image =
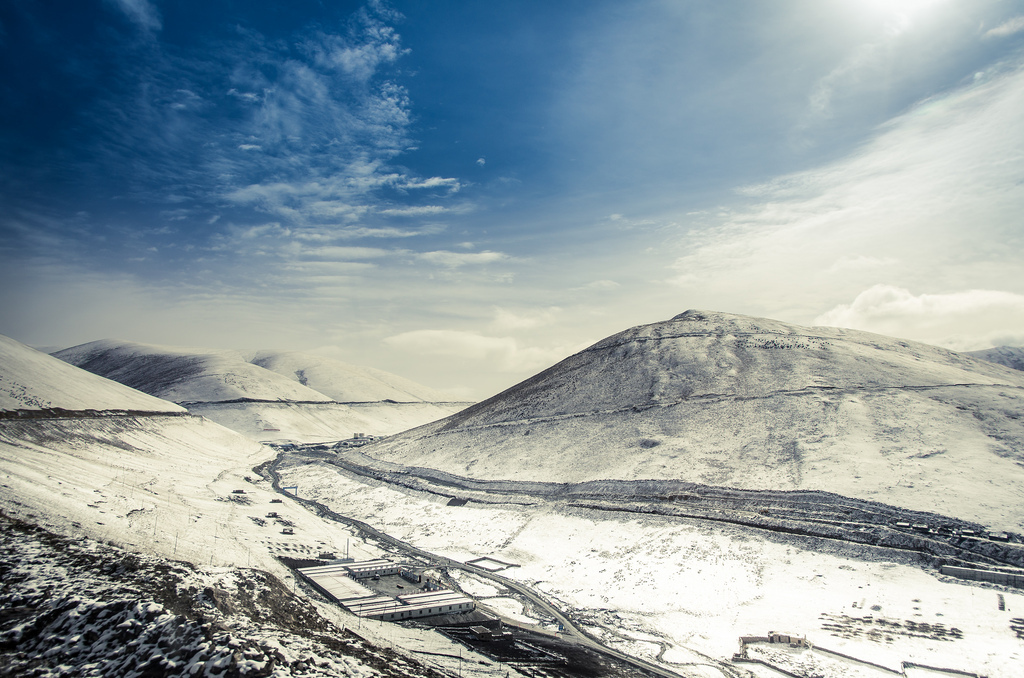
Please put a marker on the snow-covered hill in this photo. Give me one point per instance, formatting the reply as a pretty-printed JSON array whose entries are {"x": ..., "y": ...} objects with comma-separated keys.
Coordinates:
[
  {"x": 269, "y": 395},
  {"x": 185, "y": 375},
  {"x": 30, "y": 380},
  {"x": 345, "y": 383},
  {"x": 1010, "y": 356},
  {"x": 744, "y": 402}
]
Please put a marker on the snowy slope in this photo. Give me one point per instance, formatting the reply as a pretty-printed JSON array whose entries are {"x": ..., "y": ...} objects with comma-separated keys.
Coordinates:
[
  {"x": 1009, "y": 356},
  {"x": 743, "y": 402},
  {"x": 175, "y": 487},
  {"x": 342, "y": 382},
  {"x": 318, "y": 422},
  {"x": 73, "y": 606},
  {"x": 287, "y": 396},
  {"x": 30, "y": 380},
  {"x": 185, "y": 375}
]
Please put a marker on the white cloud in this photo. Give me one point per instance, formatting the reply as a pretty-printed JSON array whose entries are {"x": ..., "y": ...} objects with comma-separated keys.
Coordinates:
[
  {"x": 509, "y": 321},
  {"x": 600, "y": 286},
  {"x": 250, "y": 97},
  {"x": 413, "y": 211},
  {"x": 934, "y": 200},
  {"x": 503, "y": 353},
  {"x": 1009, "y": 27},
  {"x": 361, "y": 55},
  {"x": 332, "y": 233},
  {"x": 262, "y": 231},
  {"x": 452, "y": 185},
  {"x": 845, "y": 74},
  {"x": 481, "y": 161},
  {"x": 965, "y": 320},
  {"x": 861, "y": 262},
  {"x": 338, "y": 253},
  {"x": 457, "y": 259},
  {"x": 141, "y": 12}
]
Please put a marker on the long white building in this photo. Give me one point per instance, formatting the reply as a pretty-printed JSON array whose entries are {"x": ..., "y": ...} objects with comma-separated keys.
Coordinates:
[{"x": 338, "y": 582}]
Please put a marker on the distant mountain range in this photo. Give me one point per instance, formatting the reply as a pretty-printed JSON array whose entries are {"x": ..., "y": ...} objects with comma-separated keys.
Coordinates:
[
  {"x": 205, "y": 375},
  {"x": 1010, "y": 356},
  {"x": 751, "y": 403},
  {"x": 269, "y": 395}
]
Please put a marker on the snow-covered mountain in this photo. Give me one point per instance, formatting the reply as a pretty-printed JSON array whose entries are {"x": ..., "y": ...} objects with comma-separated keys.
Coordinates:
[
  {"x": 30, "y": 380},
  {"x": 1010, "y": 356},
  {"x": 743, "y": 402},
  {"x": 342, "y": 382},
  {"x": 185, "y": 375},
  {"x": 269, "y": 395}
]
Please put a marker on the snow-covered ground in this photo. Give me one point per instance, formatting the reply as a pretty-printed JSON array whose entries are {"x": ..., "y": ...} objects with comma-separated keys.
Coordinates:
[
  {"x": 318, "y": 422},
  {"x": 33, "y": 380},
  {"x": 73, "y": 606},
  {"x": 165, "y": 487},
  {"x": 687, "y": 590}
]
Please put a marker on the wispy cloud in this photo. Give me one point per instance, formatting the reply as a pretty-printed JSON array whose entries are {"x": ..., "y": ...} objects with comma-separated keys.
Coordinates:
[
  {"x": 339, "y": 253},
  {"x": 370, "y": 44},
  {"x": 141, "y": 12},
  {"x": 1009, "y": 27},
  {"x": 599, "y": 286},
  {"x": 332, "y": 233},
  {"x": 448, "y": 183},
  {"x": 504, "y": 353},
  {"x": 303, "y": 130},
  {"x": 415, "y": 211},
  {"x": 506, "y": 320},
  {"x": 936, "y": 190},
  {"x": 458, "y": 259}
]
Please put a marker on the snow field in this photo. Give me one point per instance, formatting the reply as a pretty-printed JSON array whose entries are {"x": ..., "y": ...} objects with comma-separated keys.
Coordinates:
[
  {"x": 164, "y": 487},
  {"x": 698, "y": 587},
  {"x": 320, "y": 422}
]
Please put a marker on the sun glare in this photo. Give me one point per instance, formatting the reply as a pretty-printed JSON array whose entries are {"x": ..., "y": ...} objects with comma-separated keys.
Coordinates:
[{"x": 904, "y": 7}]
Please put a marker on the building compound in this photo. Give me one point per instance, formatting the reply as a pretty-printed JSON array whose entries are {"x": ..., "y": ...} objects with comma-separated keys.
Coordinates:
[{"x": 340, "y": 583}]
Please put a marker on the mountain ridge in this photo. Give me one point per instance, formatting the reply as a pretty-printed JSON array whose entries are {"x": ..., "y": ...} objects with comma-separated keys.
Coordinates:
[
  {"x": 224, "y": 375},
  {"x": 269, "y": 395}
]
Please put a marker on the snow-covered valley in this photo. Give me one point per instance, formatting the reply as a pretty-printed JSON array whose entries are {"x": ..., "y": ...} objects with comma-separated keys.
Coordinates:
[
  {"x": 685, "y": 590},
  {"x": 655, "y": 561}
]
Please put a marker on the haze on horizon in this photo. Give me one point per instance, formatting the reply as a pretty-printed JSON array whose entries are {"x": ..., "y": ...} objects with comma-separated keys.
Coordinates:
[{"x": 464, "y": 193}]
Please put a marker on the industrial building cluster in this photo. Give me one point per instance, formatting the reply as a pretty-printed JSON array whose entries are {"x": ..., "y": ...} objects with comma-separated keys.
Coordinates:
[{"x": 340, "y": 582}]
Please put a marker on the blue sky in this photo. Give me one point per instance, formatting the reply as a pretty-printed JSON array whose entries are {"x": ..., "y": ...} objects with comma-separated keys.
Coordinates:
[{"x": 464, "y": 193}]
